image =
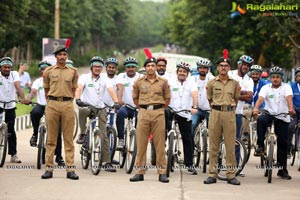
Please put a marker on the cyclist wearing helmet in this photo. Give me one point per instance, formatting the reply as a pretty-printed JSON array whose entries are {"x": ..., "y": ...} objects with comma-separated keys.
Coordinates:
[
  {"x": 111, "y": 66},
  {"x": 203, "y": 105},
  {"x": 69, "y": 63},
  {"x": 184, "y": 95},
  {"x": 38, "y": 111},
  {"x": 90, "y": 91},
  {"x": 125, "y": 82},
  {"x": 296, "y": 102},
  {"x": 9, "y": 85},
  {"x": 278, "y": 98},
  {"x": 162, "y": 67},
  {"x": 222, "y": 119}
]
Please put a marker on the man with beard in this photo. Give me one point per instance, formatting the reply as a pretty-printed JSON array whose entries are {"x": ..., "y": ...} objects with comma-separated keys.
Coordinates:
[
  {"x": 222, "y": 93},
  {"x": 162, "y": 67},
  {"x": 184, "y": 96},
  {"x": 278, "y": 98},
  {"x": 124, "y": 92},
  {"x": 203, "y": 105},
  {"x": 9, "y": 84},
  {"x": 60, "y": 82}
]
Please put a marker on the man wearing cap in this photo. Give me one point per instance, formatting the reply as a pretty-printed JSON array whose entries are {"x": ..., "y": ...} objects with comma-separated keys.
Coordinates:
[
  {"x": 223, "y": 93},
  {"x": 90, "y": 91},
  {"x": 60, "y": 82},
  {"x": 9, "y": 85},
  {"x": 151, "y": 94},
  {"x": 124, "y": 91}
]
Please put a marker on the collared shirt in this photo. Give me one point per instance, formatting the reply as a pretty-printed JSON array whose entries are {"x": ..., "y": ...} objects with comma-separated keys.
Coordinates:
[
  {"x": 181, "y": 96},
  {"x": 8, "y": 89},
  {"x": 151, "y": 92},
  {"x": 223, "y": 94},
  {"x": 246, "y": 84},
  {"x": 93, "y": 89},
  {"x": 275, "y": 99},
  {"x": 60, "y": 81},
  {"x": 127, "y": 82},
  {"x": 38, "y": 85}
]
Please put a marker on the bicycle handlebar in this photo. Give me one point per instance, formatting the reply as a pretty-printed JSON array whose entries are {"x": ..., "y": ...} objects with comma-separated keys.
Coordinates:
[{"x": 179, "y": 111}]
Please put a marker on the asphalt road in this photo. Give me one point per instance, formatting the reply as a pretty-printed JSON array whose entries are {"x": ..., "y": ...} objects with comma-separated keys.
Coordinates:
[{"x": 23, "y": 181}]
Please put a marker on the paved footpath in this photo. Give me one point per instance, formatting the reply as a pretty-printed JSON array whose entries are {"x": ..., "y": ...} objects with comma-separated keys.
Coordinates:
[{"x": 23, "y": 181}]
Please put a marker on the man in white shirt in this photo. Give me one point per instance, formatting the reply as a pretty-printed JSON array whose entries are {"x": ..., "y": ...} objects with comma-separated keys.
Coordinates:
[
  {"x": 38, "y": 111},
  {"x": 278, "y": 98},
  {"x": 90, "y": 91},
  {"x": 162, "y": 67},
  {"x": 201, "y": 81},
  {"x": 9, "y": 85},
  {"x": 125, "y": 83},
  {"x": 184, "y": 96}
]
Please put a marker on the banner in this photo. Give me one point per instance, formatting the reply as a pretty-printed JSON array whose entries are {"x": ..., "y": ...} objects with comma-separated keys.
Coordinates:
[{"x": 49, "y": 44}]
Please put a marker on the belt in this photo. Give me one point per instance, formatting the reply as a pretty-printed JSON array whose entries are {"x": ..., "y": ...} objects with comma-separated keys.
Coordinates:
[
  {"x": 223, "y": 108},
  {"x": 151, "y": 107},
  {"x": 60, "y": 98}
]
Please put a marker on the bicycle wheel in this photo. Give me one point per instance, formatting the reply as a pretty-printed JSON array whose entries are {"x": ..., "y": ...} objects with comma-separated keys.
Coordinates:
[
  {"x": 293, "y": 150},
  {"x": 298, "y": 152},
  {"x": 222, "y": 168},
  {"x": 123, "y": 152},
  {"x": 112, "y": 138},
  {"x": 85, "y": 155},
  {"x": 41, "y": 146},
  {"x": 3, "y": 143},
  {"x": 131, "y": 151},
  {"x": 75, "y": 126},
  {"x": 197, "y": 148},
  {"x": 170, "y": 152},
  {"x": 270, "y": 159},
  {"x": 247, "y": 142},
  {"x": 205, "y": 149},
  {"x": 153, "y": 154},
  {"x": 96, "y": 154}
]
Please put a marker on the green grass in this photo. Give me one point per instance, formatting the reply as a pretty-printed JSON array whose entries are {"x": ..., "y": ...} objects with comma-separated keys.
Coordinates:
[{"x": 24, "y": 109}]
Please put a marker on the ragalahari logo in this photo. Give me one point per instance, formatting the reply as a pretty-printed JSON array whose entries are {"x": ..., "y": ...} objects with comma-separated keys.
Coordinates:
[{"x": 236, "y": 10}]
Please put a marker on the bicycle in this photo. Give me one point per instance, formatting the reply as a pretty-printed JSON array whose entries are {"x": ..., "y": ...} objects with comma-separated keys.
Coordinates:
[
  {"x": 201, "y": 143},
  {"x": 111, "y": 133},
  {"x": 91, "y": 149},
  {"x": 76, "y": 125},
  {"x": 42, "y": 141},
  {"x": 268, "y": 157},
  {"x": 127, "y": 154},
  {"x": 295, "y": 148},
  {"x": 222, "y": 168},
  {"x": 3, "y": 133},
  {"x": 173, "y": 144}
]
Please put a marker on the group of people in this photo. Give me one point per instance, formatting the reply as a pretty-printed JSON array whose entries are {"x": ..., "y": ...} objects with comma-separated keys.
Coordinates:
[{"x": 153, "y": 96}]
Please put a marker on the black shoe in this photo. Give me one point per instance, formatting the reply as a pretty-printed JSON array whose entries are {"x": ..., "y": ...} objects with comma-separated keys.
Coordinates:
[
  {"x": 60, "y": 161},
  {"x": 233, "y": 181},
  {"x": 192, "y": 170},
  {"x": 163, "y": 178},
  {"x": 284, "y": 174},
  {"x": 33, "y": 141},
  {"x": 109, "y": 167},
  {"x": 258, "y": 151},
  {"x": 137, "y": 177},
  {"x": 72, "y": 175},
  {"x": 210, "y": 180},
  {"x": 47, "y": 175},
  {"x": 81, "y": 138}
]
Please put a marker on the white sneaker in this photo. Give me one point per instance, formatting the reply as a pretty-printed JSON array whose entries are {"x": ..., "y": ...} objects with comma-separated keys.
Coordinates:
[
  {"x": 15, "y": 159},
  {"x": 242, "y": 173}
]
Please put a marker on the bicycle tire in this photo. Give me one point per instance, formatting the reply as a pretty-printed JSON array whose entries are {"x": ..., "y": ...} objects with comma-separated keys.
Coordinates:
[
  {"x": 222, "y": 159},
  {"x": 96, "y": 154},
  {"x": 205, "y": 149},
  {"x": 293, "y": 150},
  {"x": 85, "y": 155},
  {"x": 197, "y": 148},
  {"x": 112, "y": 138},
  {"x": 270, "y": 159},
  {"x": 75, "y": 125},
  {"x": 248, "y": 145},
  {"x": 41, "y": 147},
  {"x": 153, "y": 154},
  {"x": 123, "y": 151},
  {"x": 170, "y": 152},
  {"x": 131, "y": 152},
  {"x": 3, "y": 144},
  {"x": 298, "y": 153}
]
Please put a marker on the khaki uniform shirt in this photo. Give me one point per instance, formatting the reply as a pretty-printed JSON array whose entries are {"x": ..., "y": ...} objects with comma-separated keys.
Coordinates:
[
  {"x": 223, "y": 94},
  {"x": 60, "y": 81},
  {"x": 151, "y": 93}
]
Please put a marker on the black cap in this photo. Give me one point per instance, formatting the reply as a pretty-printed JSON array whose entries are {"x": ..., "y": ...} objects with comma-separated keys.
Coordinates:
[
  {"x": 222, "y": 59},
  {"x": 149, "y": 60},
  {"x": 60, "y": 48}
]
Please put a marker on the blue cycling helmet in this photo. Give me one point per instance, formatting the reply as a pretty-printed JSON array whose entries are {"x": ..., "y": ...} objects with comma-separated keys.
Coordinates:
[
  {"x": 111, "y": 61},
  {"x": 246, "y": 59}
]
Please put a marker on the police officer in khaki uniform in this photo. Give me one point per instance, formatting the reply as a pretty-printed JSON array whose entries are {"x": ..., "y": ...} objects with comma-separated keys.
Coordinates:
[
  {"x": 151, "y": 94},
  {"x": 222, "y": 93},
  {"x": 60, "y": 82}
]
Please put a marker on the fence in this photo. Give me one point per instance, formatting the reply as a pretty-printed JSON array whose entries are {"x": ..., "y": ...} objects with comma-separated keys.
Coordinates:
[{"x": 22, "y": 122}]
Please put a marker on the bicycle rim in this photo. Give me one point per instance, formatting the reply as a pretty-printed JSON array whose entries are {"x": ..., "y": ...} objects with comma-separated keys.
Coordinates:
[
  {"x": 170, "y": 153},
  {"x": 96, "y": 157},
  {"x": 131, "y": 152},
  {"x": 75, "y": 125},
  {"x": 205, "y": 150},
  {"x": 3, "y": 144},
  {"x": 40, "y": 149},
  {"x": 270, "y": 159},
  {"x": 112, "y": 138},
  {"x": 197, "y": 148},
  {"x": 293, "y": 150}
]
